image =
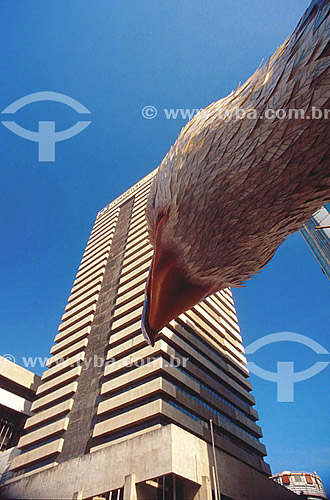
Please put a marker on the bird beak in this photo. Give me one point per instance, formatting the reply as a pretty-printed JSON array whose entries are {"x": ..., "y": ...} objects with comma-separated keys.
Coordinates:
[{"x": 168, "y": 292}]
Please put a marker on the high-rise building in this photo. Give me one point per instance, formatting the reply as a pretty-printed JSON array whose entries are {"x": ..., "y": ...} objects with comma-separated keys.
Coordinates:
[
  {"x": 17, "y": 392},
  {"x": 115, "y": 418},
  {"x": 319, "y": 239}
]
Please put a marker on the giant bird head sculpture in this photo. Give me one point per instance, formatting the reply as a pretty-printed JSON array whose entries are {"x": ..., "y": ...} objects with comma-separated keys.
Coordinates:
[{"x": 240, "y": 179}]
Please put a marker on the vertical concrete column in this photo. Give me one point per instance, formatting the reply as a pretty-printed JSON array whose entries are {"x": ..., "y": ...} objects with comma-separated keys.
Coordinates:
[
  {"x": 83, "y": 415},
  {"x": 130, "y": 488},
  {"x": 205, "y": 491}
]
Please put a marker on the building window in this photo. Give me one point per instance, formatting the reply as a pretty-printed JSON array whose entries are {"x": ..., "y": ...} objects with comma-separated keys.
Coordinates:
[
  {"x": 286, "y": 479},
  {"x": 309, "y": 479}
]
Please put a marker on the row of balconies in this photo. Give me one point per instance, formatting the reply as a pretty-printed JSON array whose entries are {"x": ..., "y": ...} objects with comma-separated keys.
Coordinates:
[
  {"x": 59, "y": 383},
  {"x": 246, "y": 433},
  {"x": 238, "y": 394}
]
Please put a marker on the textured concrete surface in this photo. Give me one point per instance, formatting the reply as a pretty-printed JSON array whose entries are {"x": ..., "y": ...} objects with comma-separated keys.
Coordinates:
[{"x": 169, "y": 449}]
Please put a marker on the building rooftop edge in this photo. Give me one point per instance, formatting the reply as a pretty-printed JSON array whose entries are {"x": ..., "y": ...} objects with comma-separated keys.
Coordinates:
[
  {"x": 292, "y": 473},
  {"x": 126, "y": 193}
]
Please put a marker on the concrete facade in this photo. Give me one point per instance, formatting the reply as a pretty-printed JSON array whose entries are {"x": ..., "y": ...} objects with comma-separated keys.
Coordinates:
[
  {"x": 115, "y": 418},
  {"x": 131, "y": 463}
]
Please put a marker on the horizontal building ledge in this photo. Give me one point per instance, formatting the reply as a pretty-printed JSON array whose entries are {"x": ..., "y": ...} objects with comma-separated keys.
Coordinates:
[
  {"x": 46, "y": 415},
  {"x": 51, "y": 398},
  {"x": 75, "y": 327},
  {"x": 105, "y": 221},
  {"x": 19, "y": 375},
  {"x": 130, "y": 295},
  {"x": 210, "y": 336},
  {"x": 44, "y": 433},
  {"x": 79, "y": 290},
  {"x": 37, "y": 455},
  {"x": 91, "y": 300},
  {"x": 213, "y": 322},
  {"x": 140, "y": 392},
  {"x": 228, "y": 314},
  {"x": 127, "y": 308},
  {"x": 137, "y": 272},
  {"x": 143, "y": 243},
  {"x": 140, "y": 201},
  {"x": 62, "y": 365},
  {"x": 144, "y": 251},
  {"x": 137, "y": 222},
  {"x": 136, "y": 234},
  {"x": 95, "y": 263},
  {"x": 61, "y": 379},
  {"x": 127, "y": 332},
  {"x": 125, "y": 346},
  {"x": 220, "y": 314},
  {"x": 66, "y": 353},
  {"x": 101, "y": 233},
  {"x": 77, "y": 317},
  {"x": 128, "y": 319},
  {"x": 105, "y": 216},
  {"x": 207, "y": 358},
  {"x": 135, "y": 242},
  {"x": 134, "y": 416},
  {"x": 138, "y": 214},
  {"x": 141, "y": 279},
  {"x": 127, "y": 378},
  {"x": 94, "y": 253},
  {"x": 138, "y": 356},
  {"x": 104, "y": 236},
  {"x": 72, "y": 303},
  {"x": 124, "y": 438},
  {"x": 139, "y": 259},
  {"x": 91, "y": 274},
  {"x": 72, "y": 339},
  {"x": 100, "y": 230}
]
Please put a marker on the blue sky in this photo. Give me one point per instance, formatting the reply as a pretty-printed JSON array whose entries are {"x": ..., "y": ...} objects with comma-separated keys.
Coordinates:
[{"x": 115, "y": 57}]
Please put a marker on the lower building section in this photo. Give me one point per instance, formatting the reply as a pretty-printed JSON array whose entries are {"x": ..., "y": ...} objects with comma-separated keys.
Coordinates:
[
  {"x": 17, "y": 393},
  {"x": 163, "y": 462}
]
